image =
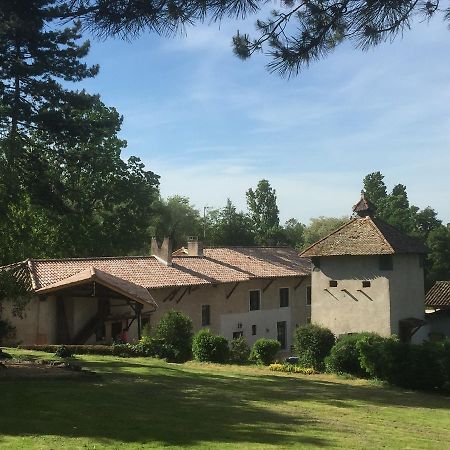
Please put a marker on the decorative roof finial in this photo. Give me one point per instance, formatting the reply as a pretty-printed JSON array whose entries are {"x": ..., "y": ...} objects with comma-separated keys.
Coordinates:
[{"x": 364, "y": 207}]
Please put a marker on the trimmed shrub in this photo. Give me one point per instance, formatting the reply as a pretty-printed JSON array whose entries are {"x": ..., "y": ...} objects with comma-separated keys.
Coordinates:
[
  {"x": 344, "y": 357},
  {"x": 264, "y": 351},
  {"x": 312, "y": 344},
  {"x": 175, "y": 330},
  {"x": 64, "y": 352},
  {"x": 207, "y": 346},
  {"x": 239, "y": 350}
]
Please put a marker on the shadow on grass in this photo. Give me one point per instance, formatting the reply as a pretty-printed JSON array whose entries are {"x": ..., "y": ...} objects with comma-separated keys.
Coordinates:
[{"x": 174, "y": 405}]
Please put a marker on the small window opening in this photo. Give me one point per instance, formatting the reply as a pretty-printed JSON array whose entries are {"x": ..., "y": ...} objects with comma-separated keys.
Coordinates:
[
  {"x": 366, "y": 283},
  {"x": 333, "y": 283},
  {"x": 253, "y": 330}
]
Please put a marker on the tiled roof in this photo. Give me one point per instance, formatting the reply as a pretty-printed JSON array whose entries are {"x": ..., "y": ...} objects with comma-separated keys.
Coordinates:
[
  {"x": 439, "y": 295},
  {"x": 219, "y": 265},
  {"x": 124, "y": 287},
  {"x": 365, "y": 236}
]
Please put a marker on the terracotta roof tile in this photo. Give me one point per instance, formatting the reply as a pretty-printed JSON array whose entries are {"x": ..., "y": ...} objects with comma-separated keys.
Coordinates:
[
  {"x": 365, "y": 236},
  {"x": 219, "y": 265},
  {"x": 124, "y": 287},
  {"x": 439, "y": 295}
]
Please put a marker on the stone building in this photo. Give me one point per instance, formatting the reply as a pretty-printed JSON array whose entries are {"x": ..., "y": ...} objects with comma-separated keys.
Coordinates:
[
  {"x": 235, "y": 291},
  {"x": 368, "y": 276}
]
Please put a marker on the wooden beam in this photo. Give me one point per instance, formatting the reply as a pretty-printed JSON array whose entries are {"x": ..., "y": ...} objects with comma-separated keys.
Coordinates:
[
  {"x": 349, "y": 294},
  {"x": 366, "y": 295},
  {"x": 298, "y": 284},
  {"x": 232, "y": 290},
  {"x": 171, "y": 295},
  {"x": 326, "y": 290},
  {"x": 268, "y": 284},
  {"x": 182, "y": 295}
]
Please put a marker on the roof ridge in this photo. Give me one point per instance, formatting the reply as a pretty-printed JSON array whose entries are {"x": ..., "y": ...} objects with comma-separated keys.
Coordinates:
[
  {"x": 374, "y": 225},
  {"x": 89, "y": 258},
  {"x": 328, "y": 235}
]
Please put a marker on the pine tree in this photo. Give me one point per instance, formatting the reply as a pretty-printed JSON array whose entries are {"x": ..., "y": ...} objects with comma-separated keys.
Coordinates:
[{"x": 35, "y": 56}]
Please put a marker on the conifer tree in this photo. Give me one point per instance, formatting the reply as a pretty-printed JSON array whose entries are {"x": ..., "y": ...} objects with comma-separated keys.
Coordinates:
[{"x": 36, "y": 55}]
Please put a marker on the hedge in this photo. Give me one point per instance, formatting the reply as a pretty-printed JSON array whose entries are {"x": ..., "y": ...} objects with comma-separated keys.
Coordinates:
[
  {"x": 312, "y": 344},
  {"x": 344, "y": 357}
]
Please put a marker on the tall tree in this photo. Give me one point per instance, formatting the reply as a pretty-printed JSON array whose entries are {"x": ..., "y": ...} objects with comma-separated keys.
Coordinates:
[
  {"x": 231, "y": 227},
  {"x": 424, "y": 224},
  {"x": 86, "y": 201},
  {"x": 177, "y": 219},
  {"x": 296, "y": 34},
  {"x": 374, "y": 188},
  {"x": 294, "y": 233},
  {"x": 263, "y": 209},
  {"x": 396, "y": 210},
  {"x": 64, "y": 189},
  {"x": 35, "y": 56}
]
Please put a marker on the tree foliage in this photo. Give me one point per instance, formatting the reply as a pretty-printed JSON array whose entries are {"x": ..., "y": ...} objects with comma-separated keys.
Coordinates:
[
  {"x": 321, "y": 226},
  {"x": 295, "y": 34},
  {"x": 264, "y": 213},
  {"x": 64, "y": 189},
  {"x": 176, "y": 218},
  {"x": 395, "y": 208},
  {"x": 228, "y": 227},
  {"x": 35, "y": 56}
]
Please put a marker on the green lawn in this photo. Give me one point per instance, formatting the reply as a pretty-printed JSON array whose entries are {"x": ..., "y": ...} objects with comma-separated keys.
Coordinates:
[{"x": 143, "y": 403}]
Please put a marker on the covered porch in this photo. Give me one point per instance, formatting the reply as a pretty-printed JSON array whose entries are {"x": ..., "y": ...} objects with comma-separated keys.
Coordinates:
[{"x": 95, "y": 307}]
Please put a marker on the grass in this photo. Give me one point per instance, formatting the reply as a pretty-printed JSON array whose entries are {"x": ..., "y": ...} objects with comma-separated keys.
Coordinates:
[{"x": 147, "y": 403}]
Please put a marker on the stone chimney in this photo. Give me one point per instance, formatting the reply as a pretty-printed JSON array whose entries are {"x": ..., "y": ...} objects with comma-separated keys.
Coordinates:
[
  {"x": 195, "y": 247},
  {"x": 162, "y": 252}
]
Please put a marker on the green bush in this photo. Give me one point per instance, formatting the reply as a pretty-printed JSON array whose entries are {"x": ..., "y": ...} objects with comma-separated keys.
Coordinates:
[
  {"x": 64, "y": 352},
  {"x": 239, "y": 350},
  {"x": 405, "y": 365},
  {"x": 312, "y": 344},
  {"x": 207, "y": 346},
  {"x": 264, "y": 351},
  {"x": 344, "y": 357},
  {"x": 175, "y": 330}
]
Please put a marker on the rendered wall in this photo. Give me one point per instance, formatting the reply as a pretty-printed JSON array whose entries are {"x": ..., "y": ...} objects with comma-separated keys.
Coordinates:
[
  {"x": 407, "y": 291},
  {"x": 38, "y": 325},
  {"x": 349, "y": 308},
  {"x": 232, "y": 314}
]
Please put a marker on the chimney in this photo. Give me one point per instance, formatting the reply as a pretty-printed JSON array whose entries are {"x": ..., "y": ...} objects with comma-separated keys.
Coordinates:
[
  {"x": 195, "y": 247},
  {"x": 162, "y": 252}
]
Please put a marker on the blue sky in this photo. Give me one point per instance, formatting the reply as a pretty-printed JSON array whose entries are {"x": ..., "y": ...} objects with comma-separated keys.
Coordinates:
[{"x": 212, "y": 125}]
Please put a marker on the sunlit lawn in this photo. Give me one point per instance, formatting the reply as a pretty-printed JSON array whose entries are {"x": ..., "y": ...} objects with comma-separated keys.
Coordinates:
[{"x": 143, "y": 403}]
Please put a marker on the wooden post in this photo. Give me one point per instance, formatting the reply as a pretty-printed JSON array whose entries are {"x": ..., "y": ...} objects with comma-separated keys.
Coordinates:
[{"x": 139, "y": 319}]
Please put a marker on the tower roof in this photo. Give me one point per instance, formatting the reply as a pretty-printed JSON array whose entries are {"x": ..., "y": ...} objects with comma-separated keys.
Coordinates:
[
  {"x": 365, "y": 236},
  {"x": 364, "y": 207}
]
